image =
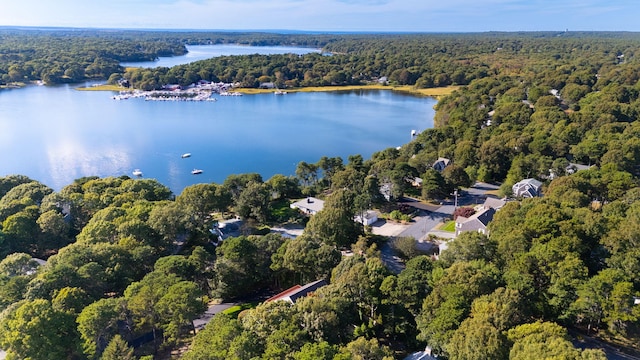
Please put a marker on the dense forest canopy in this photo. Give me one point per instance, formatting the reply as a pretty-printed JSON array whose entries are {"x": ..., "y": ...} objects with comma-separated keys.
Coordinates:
[
  {"x": 424, "y": 60},
  {"x": 74, "y": 55},
  {"x": 127, "y": 258}
]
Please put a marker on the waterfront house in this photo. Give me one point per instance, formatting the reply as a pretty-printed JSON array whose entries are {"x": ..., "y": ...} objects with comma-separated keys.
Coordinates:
[
  {"x": 172, "y": 87},
  {"x": 309, "y": 206}
]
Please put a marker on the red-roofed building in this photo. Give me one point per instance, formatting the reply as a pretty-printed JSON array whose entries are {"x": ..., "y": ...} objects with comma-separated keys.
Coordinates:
[{"x": 296, "y": 292}]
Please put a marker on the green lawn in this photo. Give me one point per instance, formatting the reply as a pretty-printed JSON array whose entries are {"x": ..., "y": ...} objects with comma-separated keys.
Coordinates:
[
  {"x": 282, "y": 212},
  {"x": 235, "y": 310},
  {"x": 449, "y": 226}
]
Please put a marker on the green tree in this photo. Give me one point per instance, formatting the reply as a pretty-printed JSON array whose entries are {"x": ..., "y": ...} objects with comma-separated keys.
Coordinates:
[
  {"x": 406, "y": 247},
  {"x": 307, "y": 173},
  {"x": 547, "y": 340},
  {"x": 449, "y": 303},
  {"x": 142, "y": 298},
  {"x": 330, "y": 166},
  {"x": 335, "y": 224},
  {"x": 472, "y": 332},
  {"x": 361, "y": 349},
  {"x": 471, "y": 245},
  {"x": 434, "y": 185},
  {"x": 455, "y": 177},
  {"x": 35, "y": 328},
  {"x": 199, "y": 201},
  {"x": 283, "y": 187},
  {"x": 413, "y": 284},
  {"x": 307, "y": 258},
  {"x": 181, "y": 304},
  {"x": 71, "y": 300},
  {"x": 118, "y": 349},
  {"x": 236, "y": 268},
  {"x": 316, "y": 351},
  {"x": 18, "y": 264},
  {"x": 360, "y": 280},
  {"x": 253, "y": 202},
  {"x": 216, "y": 340},
  {"x": 235, "y": 183},
  {"x": 98, "y": 323}
]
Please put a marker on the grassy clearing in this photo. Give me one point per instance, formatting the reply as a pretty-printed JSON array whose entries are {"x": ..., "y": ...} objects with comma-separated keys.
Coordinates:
[
  {"x": 449, "y": 226},
  {"x": 495, "y": 193},
  {"x": 104, "y": 87},
  {"x": 435, "y": 92},
  {"x": 282, "y": 212},
  {"x": 237, "y": 309}
]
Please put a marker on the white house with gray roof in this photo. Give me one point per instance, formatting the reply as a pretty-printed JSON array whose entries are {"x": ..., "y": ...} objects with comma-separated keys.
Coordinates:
[
  {"x": 527, "y": 188},
  {"x": 476, "y": 222},
  {"x": 309, "y": 206}
]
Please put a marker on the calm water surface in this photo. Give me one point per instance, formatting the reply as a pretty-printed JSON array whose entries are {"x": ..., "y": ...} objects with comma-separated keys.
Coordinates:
[
  {"x": 58, "y": 134},
  {"x": 202, "y": 52}
]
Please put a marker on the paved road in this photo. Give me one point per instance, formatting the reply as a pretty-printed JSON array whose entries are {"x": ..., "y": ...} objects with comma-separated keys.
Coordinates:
[
  {"x": 612, "y": 352},
  {"x": 425, "y": 221},
  {"x": 476, "y": 194},
  {"x": 391, "y": 261},
  {"x": 429, "y": 216},
  {"x": 203, "y": 320}
]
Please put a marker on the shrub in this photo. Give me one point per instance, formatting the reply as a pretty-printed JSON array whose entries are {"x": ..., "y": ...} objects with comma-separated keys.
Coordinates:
[{"x": 464, "y": 211}]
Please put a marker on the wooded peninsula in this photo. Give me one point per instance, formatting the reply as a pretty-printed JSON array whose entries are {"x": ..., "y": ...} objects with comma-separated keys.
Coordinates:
[{"x": 119, "y": 268}]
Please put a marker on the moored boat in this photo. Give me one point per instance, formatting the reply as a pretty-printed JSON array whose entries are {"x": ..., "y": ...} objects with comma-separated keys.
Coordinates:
[{"x": 137, "y": 172}]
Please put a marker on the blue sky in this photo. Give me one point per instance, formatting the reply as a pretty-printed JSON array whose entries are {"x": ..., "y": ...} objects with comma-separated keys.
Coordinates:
[{"x": 329, "y": 15}]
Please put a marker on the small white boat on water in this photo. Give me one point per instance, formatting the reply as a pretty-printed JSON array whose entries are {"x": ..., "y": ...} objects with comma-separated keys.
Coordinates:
[
  {"x": 196, "y": 171},
  {"x": 186, "y": 155},
  {"x": 280, "y": 92},
  {"x": 137, "y": 172}
]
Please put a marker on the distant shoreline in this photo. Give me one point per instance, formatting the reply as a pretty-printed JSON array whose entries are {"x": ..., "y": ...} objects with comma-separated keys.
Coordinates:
[{"x": 432, "y": 92}]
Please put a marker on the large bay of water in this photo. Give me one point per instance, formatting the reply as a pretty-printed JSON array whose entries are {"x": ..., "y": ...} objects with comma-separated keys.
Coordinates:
[
  {"x": 58, "y": 134},
  {"x": 202, "y": 52}
]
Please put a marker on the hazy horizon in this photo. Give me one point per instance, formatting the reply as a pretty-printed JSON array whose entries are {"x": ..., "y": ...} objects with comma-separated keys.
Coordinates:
[{"x": 327, "y": 15}]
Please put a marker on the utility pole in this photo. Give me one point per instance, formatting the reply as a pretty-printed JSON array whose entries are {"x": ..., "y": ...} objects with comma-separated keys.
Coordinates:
[{"x": 455, "y": 202}]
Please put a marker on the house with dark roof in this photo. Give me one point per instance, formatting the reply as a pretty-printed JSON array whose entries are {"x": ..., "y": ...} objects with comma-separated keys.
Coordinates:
[
  {"x": 441, "y": 164},
  {"x": 527, "y": 188},
  {"x": 296, "y": 292},
  {"x": 477, "y": 222}
]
